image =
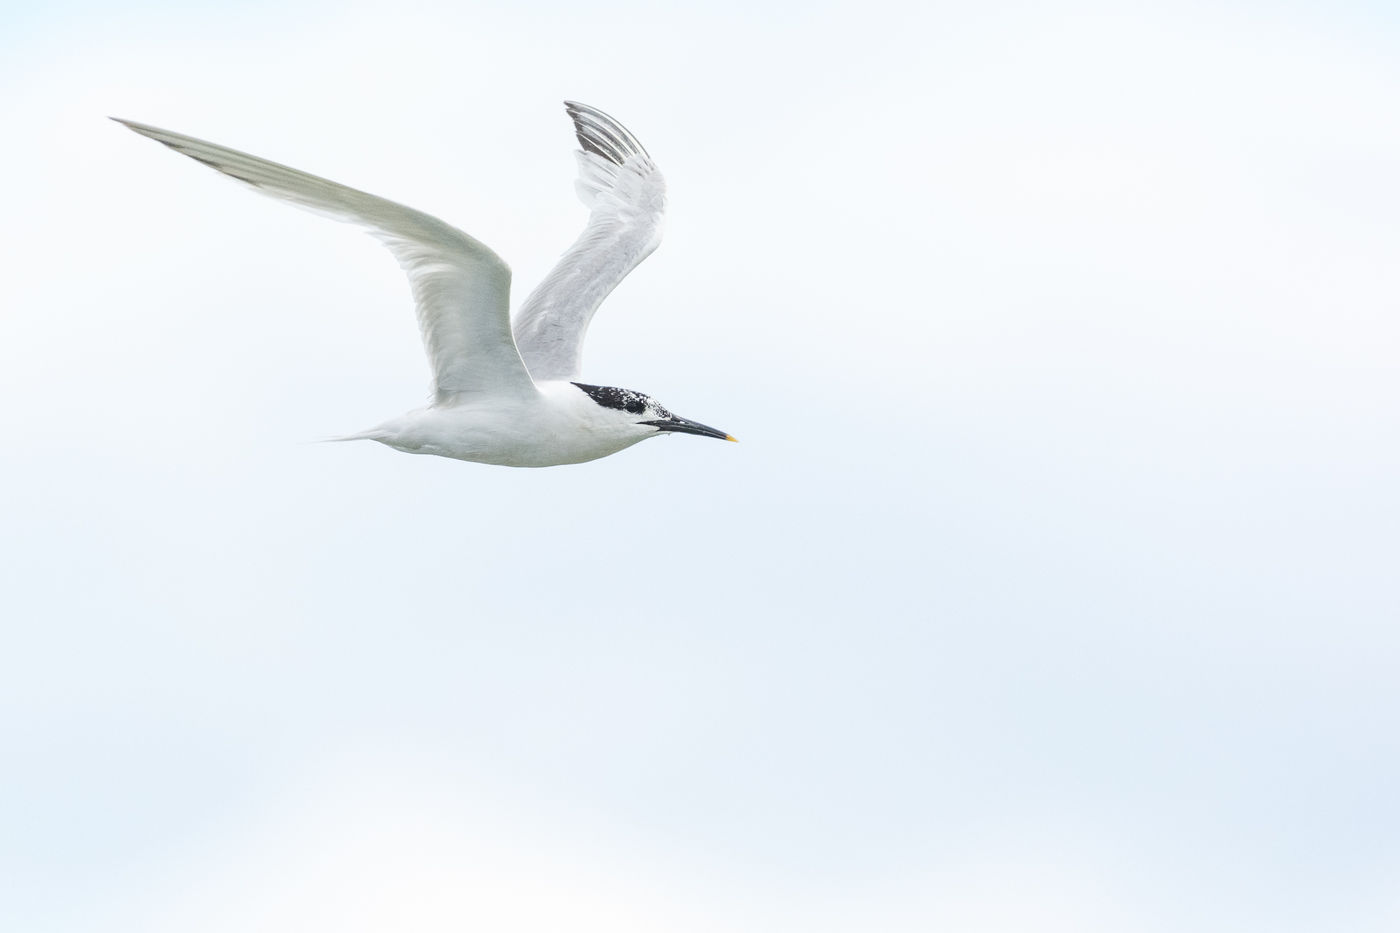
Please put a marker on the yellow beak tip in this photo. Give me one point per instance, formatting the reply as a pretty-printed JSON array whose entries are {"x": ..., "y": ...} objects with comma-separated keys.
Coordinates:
[{"x": 730, "y": 437}]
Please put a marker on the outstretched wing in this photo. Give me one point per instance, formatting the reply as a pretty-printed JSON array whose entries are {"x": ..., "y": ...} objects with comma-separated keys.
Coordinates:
[
  {"x": 462, "y": 288},
  {"x": 626, "y": 198}
]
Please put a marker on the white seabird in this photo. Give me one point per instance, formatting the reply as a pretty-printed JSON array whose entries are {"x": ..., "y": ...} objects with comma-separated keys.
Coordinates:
[{"x": 498, "y": 398}]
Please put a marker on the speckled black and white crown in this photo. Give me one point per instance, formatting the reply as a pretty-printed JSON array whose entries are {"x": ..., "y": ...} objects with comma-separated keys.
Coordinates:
[{"x": 634, "y": 403}]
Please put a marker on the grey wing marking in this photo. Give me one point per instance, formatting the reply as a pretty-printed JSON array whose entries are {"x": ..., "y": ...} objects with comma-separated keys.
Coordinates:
[
  {"x": 626, "y": 198},
  {"x": 461, "y": 288}
]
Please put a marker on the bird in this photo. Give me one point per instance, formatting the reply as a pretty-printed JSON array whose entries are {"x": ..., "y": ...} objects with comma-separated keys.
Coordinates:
[{"x": 501, "y": 394}]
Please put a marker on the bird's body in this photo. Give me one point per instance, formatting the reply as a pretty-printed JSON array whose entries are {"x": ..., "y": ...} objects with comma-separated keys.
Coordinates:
[
  {"x": 502, "y": 397},
  {"x": 558, "y": 424}
]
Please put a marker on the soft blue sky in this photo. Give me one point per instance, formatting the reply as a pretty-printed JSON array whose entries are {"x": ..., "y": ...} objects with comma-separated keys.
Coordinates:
[{"x": 1052, "y": 587}]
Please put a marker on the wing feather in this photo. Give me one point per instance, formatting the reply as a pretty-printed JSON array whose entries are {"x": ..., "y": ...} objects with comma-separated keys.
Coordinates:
[
  {"x": 461, "y": 288},
  {"x": 626, "y": 198}
]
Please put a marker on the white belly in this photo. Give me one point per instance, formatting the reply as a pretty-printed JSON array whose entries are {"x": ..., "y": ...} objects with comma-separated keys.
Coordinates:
[{"x": 556, "y": 427}]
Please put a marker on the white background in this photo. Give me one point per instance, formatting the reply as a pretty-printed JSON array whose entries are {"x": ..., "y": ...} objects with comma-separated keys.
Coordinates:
[{"x": 1052, "y": 585}]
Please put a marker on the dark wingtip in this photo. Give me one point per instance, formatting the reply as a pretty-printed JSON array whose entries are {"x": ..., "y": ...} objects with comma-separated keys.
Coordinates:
[
  {"x": 602, "y": 134},
  {"x": 141, "y": 128}
]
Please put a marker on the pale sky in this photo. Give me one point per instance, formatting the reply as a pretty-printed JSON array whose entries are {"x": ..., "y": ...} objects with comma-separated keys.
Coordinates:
[{"x": 1052, "y": 585}]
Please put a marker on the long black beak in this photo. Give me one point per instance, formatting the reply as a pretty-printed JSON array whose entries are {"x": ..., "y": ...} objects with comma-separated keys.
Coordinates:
[{"x": 681, "y": 426}]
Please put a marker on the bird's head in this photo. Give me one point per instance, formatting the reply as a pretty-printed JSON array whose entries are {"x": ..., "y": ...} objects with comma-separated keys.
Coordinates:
[{"x": 641, "y": 414}]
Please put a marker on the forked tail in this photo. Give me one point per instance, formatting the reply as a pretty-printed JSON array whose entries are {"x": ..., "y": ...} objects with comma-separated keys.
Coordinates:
[{"x": 370, "y": 435}]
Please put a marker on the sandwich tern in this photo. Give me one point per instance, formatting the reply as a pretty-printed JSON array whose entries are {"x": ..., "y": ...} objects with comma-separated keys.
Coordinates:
[{"x": 502, "y": 398}]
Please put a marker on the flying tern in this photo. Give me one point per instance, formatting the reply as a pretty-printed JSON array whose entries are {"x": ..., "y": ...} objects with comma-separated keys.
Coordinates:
[{"x": 499, "y": 397}]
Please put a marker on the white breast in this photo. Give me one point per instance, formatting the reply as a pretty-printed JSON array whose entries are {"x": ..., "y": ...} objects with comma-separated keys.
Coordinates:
[{"x": 558, "y": 425}]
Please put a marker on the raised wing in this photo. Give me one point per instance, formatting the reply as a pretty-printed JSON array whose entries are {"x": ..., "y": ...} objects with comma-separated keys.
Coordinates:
[
  {"x": 462, "y": 288},
  {"x": 626, "y": 198}
]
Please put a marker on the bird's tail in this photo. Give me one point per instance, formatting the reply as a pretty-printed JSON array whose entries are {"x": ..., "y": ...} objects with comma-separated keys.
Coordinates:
[{"x": 372, "y": 434}]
